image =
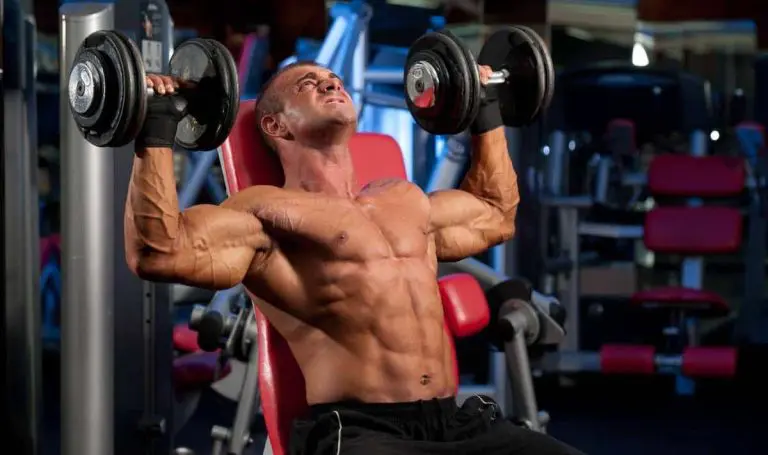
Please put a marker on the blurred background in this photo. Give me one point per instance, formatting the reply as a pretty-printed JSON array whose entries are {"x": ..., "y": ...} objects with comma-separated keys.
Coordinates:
[{"x": 643, "y": 214}]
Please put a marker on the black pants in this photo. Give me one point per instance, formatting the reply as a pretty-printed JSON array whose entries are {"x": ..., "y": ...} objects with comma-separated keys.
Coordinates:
[{"x": 422, "y": 427}]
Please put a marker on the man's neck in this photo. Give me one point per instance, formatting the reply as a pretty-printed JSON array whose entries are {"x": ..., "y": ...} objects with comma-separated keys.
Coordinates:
[{"x": 328, "y": 170}]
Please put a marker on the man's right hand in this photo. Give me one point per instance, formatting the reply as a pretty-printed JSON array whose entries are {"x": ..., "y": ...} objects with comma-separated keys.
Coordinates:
[
  {"x": 207, "y": 246},
  {"x": 163, "y": 114}
]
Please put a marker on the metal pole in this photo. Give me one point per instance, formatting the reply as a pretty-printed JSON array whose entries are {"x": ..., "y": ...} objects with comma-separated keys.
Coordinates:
[
  {"x": 87, "y": 261},
  {"x": 198, "y": 176},
  {"x": 21, "y": 307},
  {"x": 359, "y": 62}
]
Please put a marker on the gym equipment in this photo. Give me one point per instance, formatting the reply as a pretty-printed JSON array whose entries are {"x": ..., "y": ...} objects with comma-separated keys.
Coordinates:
[
  {"x": 228, "y": 325},
  {"x": 442, "y": 83},
  {"x": 107, "y": 91},
  {"x": 657, "y": 101},
  {"x": 654, "y": 101},
  {"x": 516, "y": 325},
  {"x": 690, "y": 231},
  {"x": 693, "y": 362},
  {"x": 88, "y": 241}
]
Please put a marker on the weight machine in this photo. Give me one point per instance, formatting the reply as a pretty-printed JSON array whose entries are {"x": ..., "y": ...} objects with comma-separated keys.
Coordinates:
[{"x": 688, "y": 101}]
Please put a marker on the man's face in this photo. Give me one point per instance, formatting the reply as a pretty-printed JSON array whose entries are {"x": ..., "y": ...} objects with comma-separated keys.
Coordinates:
[{"x": 314, "y": 102}]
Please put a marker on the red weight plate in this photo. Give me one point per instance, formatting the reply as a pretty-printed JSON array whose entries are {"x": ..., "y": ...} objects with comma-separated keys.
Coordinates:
[
  {"x": 628, "y": 359},
  {"x": 712, "y": 362}
]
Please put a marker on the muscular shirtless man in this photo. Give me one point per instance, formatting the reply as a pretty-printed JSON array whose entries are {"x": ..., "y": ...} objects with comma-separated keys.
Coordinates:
[{"x": 347, "y": 274}]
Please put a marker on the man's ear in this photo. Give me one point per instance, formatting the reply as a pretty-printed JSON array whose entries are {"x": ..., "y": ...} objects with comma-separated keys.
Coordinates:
[{"x": 273, "y": 127}]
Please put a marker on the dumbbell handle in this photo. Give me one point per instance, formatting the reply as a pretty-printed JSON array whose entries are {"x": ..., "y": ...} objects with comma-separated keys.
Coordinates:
[{"x": 498, "y": 77}]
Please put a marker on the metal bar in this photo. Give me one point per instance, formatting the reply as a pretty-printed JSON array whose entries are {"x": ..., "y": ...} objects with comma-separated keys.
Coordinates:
[
  {"x": 182, "y": 294},
  {"x": 247, "y": 403},
  {"x": 450, "y": 163},
  {"x": 610, "y": 231},
  {"x": 498, "y": 77},
  {"x": 523, "y": 392},
  {"x": 222, "y": 300},
  {"x": 215, "y": 188},
  {"x": 197, "y": 177},
  {"x": 345, "y": 52},
  {"x": 359, "y": 62},
  {"x": 384, "y": 100},
  {"x": 568, "y": 361},
  {"x": 87, "y": 261},
  {"x": 331, "y": 43},
  {"x": 384, "y": 75}
]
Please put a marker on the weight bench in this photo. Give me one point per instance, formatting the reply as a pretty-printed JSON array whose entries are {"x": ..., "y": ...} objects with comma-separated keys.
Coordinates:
[{"x": 691, "y": 231}]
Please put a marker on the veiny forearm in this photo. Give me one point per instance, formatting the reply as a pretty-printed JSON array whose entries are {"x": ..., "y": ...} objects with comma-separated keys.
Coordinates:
[
  {"x": 152, "y": 208},
  {"x": 491, "y": 176}
]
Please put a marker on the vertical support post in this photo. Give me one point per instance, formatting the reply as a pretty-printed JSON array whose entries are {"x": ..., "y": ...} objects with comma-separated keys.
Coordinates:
[
  {"x": 87, "y": 260},
  {"x": 144, "y": 396},
  {"x": 359, "y": 63},
  {"x": 21, "y": 310}
]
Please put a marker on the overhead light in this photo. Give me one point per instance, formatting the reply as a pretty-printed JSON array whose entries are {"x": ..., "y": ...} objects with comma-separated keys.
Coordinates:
[{"x": 639, "y": 55}]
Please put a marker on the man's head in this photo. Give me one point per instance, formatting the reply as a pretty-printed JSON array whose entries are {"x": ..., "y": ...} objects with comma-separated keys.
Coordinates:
[{"x": 306, "y": 103}]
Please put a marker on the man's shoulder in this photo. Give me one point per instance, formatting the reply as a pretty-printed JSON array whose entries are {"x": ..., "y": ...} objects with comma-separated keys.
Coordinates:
[{"x": 253, "y": 196}]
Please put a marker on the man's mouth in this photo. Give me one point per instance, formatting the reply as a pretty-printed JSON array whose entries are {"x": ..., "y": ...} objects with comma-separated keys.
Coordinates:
[{"x": 335, "y": 99}]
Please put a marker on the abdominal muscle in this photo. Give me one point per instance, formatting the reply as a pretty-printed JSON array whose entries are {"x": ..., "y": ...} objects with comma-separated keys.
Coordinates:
[{"x": 384, "y": 342}]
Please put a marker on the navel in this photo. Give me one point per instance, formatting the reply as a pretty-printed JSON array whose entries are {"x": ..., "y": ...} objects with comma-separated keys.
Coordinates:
[{"x": 425, "y": 379}]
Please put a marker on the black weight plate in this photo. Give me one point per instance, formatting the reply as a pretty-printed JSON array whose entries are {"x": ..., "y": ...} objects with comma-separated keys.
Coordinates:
[
  {"x": 231, "y": 100},
  {"x": 452, "y": 100},
  {"x": 521, "y": 97},
  {"x": 208, "y": 89},
  {"x": 474, "y": 86},
  {"x": 549, "y": 67},
  {"x": 138, "y": 85},
  {"x": 112, "y": 59},
  {"x": 538, "y": 67}
]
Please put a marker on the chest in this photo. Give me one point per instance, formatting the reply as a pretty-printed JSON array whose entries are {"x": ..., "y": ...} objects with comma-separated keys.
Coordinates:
[{"x": 387, "y": 219}]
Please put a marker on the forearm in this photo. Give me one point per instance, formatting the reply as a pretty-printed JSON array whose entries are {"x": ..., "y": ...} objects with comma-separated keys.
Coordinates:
[
  {"x": 152, "y": 216},
  {"x": 491, "y": 176}
]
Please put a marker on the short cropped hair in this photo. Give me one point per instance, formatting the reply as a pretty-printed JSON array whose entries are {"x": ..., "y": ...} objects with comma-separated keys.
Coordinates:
[{"x": 270, "y": 101}]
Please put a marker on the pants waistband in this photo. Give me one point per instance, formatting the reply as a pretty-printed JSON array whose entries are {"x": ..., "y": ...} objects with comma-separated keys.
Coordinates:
[{"x": 409, "y": 409}]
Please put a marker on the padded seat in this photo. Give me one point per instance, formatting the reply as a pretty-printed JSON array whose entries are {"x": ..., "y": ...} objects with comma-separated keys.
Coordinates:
[
  {"x": 194, "y": 369},
  {"x": 697, "y": 301},
  {"x": 184, "y": 339}
]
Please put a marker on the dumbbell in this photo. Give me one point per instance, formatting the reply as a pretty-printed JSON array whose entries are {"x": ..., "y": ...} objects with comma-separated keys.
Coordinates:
[
  {"x": 108, "y": 93},
  {"x": 442, "y": 82}
]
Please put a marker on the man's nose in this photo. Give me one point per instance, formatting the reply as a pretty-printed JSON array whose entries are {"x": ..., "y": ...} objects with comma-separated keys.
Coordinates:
[{"x": 330, "y": 85}]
